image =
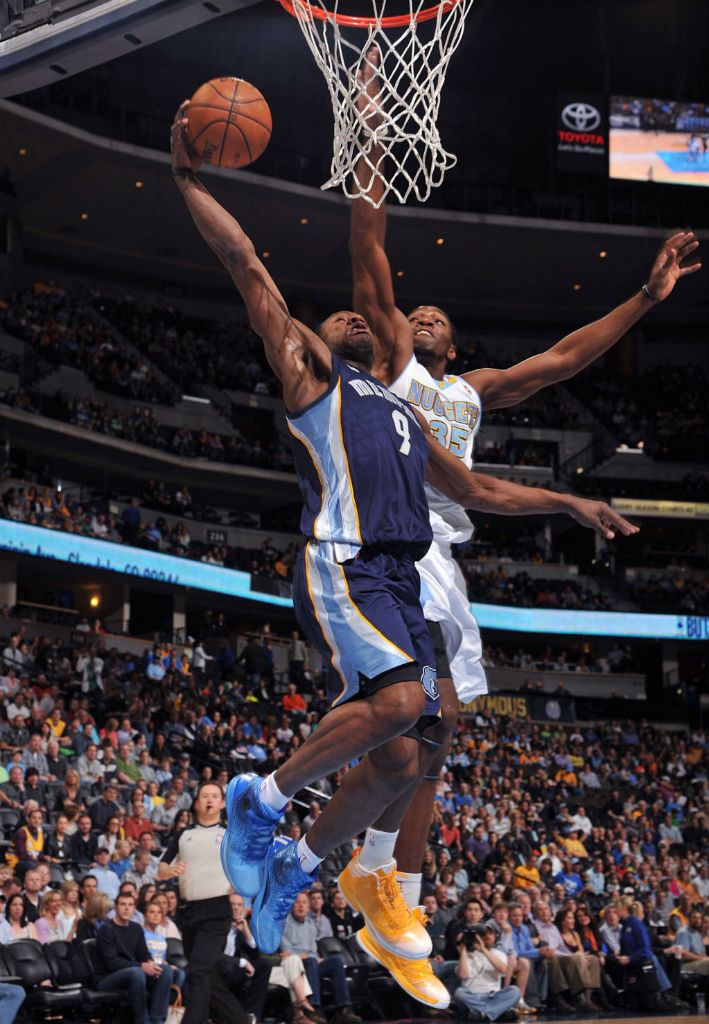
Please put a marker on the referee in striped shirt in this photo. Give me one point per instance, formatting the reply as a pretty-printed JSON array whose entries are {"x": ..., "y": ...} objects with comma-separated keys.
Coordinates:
[{"x": 205, "y": 911}]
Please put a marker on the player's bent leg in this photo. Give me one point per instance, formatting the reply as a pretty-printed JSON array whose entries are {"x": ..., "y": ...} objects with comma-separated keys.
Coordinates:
[
  {"x": 379, "y": 777},
  {"x": 349, "y": 731},
  {"x": 345, "y": 733}
]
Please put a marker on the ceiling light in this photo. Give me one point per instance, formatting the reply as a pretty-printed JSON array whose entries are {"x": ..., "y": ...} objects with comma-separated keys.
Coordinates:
[
  {"x": 139, "y": 184},
  {"x": 303, "y": 220},
  {"x": 400, "y": 273},
  {"x": 439, "y": 241},
  {"x": 84, "y": 216},
  {"x": 94, "y": 600},
  {"x": 577, "y": 287},
  {"x": 22, "y": 152},
  {"x": 603, "y": 254},
  {"x": 265, "y": 255}
]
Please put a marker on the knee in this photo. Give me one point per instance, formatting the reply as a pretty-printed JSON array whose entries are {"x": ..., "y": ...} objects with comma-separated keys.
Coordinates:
[
  {"x": 396, "y": 708},
  {"x": 396, "y": 763}
]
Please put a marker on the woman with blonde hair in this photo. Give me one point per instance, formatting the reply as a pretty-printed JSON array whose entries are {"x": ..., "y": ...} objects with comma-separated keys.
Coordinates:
[
  {"x": 95, "y": 912},
  {"x": 50, "y": 926},
  {"x": 71, "y": 792},
  {"x": 70, "y": 914}
]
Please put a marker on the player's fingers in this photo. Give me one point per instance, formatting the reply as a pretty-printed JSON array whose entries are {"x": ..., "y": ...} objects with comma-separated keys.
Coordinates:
[
  {"x": 609, "y": 517},
  {"x": 678, "y": 239},
  {"x": 690, "y": 269}
]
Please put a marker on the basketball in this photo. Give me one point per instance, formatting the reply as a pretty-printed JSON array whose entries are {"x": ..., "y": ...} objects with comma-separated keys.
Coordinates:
[{"x": 229, "y": 122}]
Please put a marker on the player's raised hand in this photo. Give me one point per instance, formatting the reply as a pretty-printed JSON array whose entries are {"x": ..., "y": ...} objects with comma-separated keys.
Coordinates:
[
  {"x": 672, "y": 263},
  {"x": 600, "y": 517},
  {"x": 183, "y": 154},
  {"x": 368, "y": 99}
]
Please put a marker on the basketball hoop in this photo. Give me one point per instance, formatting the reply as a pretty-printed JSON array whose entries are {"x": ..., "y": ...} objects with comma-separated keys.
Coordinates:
[{"x": 410, "y": 73}]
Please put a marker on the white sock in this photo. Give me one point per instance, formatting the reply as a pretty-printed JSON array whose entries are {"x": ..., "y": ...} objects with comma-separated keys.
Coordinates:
[
  {"x": 308, "y": 860},
  {"x": 410, "y": 885},
  {"x": 271, "y": 795},
  {"x": 377, "y": 849}
]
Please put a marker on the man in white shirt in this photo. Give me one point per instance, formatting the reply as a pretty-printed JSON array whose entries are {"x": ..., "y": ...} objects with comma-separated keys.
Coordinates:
[
  {"x": 582, "y": 821},
  {"x": 481, "y": 967},
  {"x": 89, "y": 767}
]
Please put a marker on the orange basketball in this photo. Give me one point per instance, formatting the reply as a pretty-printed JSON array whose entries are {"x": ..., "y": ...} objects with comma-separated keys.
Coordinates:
[{"x": 229, "y": 122}]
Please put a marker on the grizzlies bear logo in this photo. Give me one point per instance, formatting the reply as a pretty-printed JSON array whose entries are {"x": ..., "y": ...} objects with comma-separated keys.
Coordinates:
[{"x": 429, "y": 681}]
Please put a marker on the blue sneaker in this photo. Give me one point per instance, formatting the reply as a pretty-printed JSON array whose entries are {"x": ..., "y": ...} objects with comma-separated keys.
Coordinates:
[
  {"x": 248, "y": 834},
  {"x": 284, "y": 878}
]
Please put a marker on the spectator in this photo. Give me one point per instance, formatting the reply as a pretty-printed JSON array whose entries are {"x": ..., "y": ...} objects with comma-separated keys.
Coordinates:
[
  {"x": 84, "y": 843},
  {"x": 299, "y": 938},
  {"x": 16, "y": 917},
  {"x": 95, "y": 914},
  {"x": 51, "y": 927},
  {"x": 480, "y": 970},
  {"x": 125, "y": 963},
  {"x": 106, "y": 880}
]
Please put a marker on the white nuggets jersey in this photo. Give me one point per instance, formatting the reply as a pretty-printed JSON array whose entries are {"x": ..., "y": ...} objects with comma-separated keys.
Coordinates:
[{"x": 452, "y": 408}]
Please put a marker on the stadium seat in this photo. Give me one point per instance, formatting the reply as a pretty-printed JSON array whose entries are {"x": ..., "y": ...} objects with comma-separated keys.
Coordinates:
[
  {"x": 70, "y": 968},
  {"x": 176, "y": 954},
  {"x": 26, "y": 959}
]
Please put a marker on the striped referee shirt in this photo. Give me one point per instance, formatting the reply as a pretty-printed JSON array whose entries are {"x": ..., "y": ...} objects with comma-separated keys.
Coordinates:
[{"x": 199, "y": 847}]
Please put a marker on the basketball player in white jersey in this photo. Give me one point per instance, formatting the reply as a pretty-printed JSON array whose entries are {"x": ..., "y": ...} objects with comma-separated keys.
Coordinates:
[{"x": 411, "y": 359}]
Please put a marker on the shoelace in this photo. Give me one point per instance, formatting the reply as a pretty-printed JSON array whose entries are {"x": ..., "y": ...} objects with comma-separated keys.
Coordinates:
[{"x": 394, "y": 906}]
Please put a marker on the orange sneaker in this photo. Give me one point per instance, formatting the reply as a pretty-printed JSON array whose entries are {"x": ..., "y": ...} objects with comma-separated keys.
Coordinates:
[
  {"x": 377, "y": 897},
  {"x": 415, "y": 976}
]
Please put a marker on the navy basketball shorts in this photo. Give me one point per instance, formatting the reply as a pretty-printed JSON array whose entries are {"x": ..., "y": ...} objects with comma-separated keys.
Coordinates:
[{"x": 365, "y": 618}]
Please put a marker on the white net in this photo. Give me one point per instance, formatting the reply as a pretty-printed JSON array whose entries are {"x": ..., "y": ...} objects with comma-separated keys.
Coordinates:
[{"x": 404, "y": 149}]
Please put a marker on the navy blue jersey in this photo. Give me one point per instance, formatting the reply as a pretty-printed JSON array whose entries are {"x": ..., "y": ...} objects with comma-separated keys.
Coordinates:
[{"x": 361, "y": 456}]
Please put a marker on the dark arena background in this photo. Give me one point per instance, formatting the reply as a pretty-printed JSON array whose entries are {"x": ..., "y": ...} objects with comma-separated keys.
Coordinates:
[{"x": 149, "y": 509}]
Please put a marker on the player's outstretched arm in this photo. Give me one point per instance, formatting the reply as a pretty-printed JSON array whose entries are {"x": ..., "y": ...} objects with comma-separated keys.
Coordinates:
[
  {"x": 297, "y": 356},
  {"x": 483, "y": 493},
  {"x": 501, "y": 388},
  {"x": 372, "y": 286}
]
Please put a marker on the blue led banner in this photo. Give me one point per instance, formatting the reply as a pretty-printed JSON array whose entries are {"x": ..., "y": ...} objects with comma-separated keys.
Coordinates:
[{"x": 184, "y": 572}]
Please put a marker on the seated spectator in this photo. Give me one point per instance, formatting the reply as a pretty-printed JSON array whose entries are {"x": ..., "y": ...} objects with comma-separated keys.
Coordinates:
[
  {"x": 167, "y": 926},
  {"x": 106, "y": 880},
  {"x": 343, "y": 920},
  {"x": 112, "y": 833},
  {"x": 16, "y": 917},
  {"x": 142, "y": 873},
  {"x": 163, "y": 815},
  {"x": 27, "y": 844},
  {"x": 481, "y": 967},
  {"x": 70, "y": 913},
  {"x": 127, "y": 770},
  {"x": 124, "y": 962},
  {"x": 33, "y": 757},
  {"x": 691, "y": 939},
  {"x": 244, "y": 971},
  {"x": 50, "y": 924},
  {"x": 71, "y": 792},
  {"x": 120, "y": 859},
  {"x": 89, "y": 767},
  {"x": 138, "y": 822},
  {"x": 95, "y": 914},
  {"x": 105, "y": 808},
  {"x": 299, "y": 938},
  {"x": 83, "y": 843}
]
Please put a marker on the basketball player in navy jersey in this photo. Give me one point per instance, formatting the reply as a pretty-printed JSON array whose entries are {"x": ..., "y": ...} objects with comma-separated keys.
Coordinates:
[
  {"x": 361, "y": 455},
  {"x": 412, "y": 358}
]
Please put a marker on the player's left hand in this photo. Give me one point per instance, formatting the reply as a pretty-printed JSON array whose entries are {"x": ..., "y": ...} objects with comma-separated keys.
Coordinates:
[
  {"x": 671, "y": 264},
  {"x": 183, "y": 154},
  {"x": 600, "y": 517}
]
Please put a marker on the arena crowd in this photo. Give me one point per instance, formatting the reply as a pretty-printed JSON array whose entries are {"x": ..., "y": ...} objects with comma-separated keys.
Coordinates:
[{"x": 556, "y": 835}]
